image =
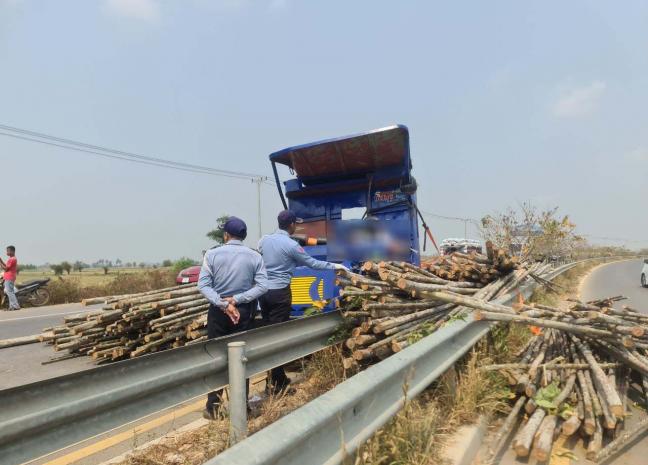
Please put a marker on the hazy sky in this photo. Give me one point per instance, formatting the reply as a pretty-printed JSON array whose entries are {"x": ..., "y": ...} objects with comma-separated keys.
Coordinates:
[{"x": 505, "y": 102}]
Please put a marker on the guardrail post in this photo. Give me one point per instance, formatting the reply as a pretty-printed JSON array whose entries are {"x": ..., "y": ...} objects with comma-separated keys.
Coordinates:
[{"x": 236, "y": 361}]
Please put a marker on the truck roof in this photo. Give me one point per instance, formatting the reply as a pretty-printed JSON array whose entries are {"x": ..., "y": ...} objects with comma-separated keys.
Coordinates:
[{"x": 356, "y": 154}]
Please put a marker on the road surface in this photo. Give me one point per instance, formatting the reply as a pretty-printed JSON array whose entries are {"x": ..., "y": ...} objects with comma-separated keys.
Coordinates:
[
  {"x": 619, "y": 278},
  {"x": 22, "y": 364}
]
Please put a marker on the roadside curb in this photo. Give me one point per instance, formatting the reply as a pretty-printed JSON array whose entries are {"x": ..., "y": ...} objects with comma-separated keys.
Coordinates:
[{"x": 464, "y": 445}]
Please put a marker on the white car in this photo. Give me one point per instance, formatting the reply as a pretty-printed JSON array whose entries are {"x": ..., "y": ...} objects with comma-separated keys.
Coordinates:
[{"x": 644, "y": 273}]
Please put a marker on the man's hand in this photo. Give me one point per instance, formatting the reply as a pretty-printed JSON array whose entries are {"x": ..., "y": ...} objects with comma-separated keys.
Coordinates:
[
  {"x": 340, "y": 266},
  {"x": 232, "y": 312}
]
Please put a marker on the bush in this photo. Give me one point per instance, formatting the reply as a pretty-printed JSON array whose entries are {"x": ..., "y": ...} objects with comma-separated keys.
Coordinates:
[
  {"x": 183, "y": 263},
  {"x": 57, "y": 269}
]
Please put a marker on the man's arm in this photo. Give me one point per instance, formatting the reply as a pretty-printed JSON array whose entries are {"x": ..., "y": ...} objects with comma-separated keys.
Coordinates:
[
  {"x": 260, "y": 284},
  {"x": 2, "y": 264},
  {"x": 303, "y": 259},
  {"x": 205, "y": 286}
]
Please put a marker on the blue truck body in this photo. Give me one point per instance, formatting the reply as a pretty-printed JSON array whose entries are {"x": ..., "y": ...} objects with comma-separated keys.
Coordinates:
[{"x": 370, "y": 171}]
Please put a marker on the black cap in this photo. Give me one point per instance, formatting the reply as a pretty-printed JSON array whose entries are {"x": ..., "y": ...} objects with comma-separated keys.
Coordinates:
[
  {"x": 286, "y": 218},
  {"x": 235, "y": 227}
]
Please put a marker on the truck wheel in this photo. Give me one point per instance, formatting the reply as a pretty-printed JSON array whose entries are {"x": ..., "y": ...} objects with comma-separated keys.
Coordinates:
[
  {"x": 643, "y": 281},
  {"x": 39, "y": 297}
]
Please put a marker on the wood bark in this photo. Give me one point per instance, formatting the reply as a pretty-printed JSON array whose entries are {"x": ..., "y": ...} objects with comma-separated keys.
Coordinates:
[{"x": 524, "y": 438}]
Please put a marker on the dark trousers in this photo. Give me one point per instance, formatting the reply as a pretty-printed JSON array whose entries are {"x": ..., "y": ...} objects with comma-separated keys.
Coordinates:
[
  {"x": 219, "y": 324},
  {"x": 276, "y": 305}
]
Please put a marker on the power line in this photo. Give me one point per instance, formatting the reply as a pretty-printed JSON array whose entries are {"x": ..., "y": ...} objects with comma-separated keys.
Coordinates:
[{"x": 106, "y": 152}]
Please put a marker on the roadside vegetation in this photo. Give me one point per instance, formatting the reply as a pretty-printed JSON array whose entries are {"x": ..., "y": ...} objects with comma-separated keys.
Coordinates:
[{"x": 75, "y": 281}]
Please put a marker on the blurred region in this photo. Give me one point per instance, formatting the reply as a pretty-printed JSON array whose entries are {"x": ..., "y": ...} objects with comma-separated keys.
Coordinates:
[{"x": 369, "y": 239}]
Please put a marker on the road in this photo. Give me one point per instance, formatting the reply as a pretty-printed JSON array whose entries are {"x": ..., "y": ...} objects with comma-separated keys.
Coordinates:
[
  {"x": 22, "y": 364},
  {"x": 619, "y": 278}
]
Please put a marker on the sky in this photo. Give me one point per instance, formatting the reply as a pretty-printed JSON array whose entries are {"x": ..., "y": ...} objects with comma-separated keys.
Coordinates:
[{"x": 506, "y": 102}]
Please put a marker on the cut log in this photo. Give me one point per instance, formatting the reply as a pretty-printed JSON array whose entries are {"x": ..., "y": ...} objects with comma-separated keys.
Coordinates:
[
  {"x": 544, "y": 438},
  {"x": 524, "y": 438}
]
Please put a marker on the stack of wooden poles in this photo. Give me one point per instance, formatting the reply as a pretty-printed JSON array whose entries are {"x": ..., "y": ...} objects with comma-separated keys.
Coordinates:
[
  {"x": 573, "y": 376},
  {"x": 138, "y": 324},
  {"x": 393, "y": 304},
  {"x": 472, "y": 267}
]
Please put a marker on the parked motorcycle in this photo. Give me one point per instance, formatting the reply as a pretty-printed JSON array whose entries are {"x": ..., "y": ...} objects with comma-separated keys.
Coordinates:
[{"x": 34, "y": 293}]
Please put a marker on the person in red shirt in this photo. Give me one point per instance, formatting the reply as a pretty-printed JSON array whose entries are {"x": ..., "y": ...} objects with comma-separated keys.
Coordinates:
[{"x": 10, "y": 272}]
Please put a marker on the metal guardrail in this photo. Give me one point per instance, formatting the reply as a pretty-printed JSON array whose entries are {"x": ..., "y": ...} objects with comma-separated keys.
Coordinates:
[
  {"x": 41, "y": 417},
  {"x": 38, "y": 418},
  {"x": 334, "y": 425}
]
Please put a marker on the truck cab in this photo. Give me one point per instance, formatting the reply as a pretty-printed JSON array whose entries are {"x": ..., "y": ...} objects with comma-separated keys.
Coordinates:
[{"x": 357, "y": 198}]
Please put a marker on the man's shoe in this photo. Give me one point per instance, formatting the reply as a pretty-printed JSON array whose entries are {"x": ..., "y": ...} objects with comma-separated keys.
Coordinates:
[
  {"x": 282, "y": 388},
  {"x": 209, "y": 414}
]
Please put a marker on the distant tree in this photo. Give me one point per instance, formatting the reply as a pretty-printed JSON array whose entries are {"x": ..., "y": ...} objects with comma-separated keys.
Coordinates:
[
  {"x": 183, "y": 263},
  {"x": 67, "y": 267},
  {"x": 57, "y": 269},
  {"x": 142, "y": 265},
  {"x": 118, "y": 262},
  {"x": 79, "y": 266},
  {"x": 26, "y": 266},
  {"x": 167, "y": 263},
  {"x": 106, "y": 269},
  {"x": 217, "y": 234}
]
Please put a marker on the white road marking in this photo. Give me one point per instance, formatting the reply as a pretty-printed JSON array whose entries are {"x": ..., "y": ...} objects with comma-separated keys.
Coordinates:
[{"x": 41, "y": 316}]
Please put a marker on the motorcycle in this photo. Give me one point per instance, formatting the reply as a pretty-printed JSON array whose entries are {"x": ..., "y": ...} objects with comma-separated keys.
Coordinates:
[{"x": 34, "y": 293}]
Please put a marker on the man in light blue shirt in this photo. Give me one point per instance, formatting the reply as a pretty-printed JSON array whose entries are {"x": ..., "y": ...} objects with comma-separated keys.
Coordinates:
[
  {"x": 281, "y": 256},
  {"x": 232, "y": 278}
]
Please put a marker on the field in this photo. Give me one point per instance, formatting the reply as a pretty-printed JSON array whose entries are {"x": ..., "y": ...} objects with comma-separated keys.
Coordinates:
[
  {"x": 87, "y": 277},
  {"x": 93, "y": 282}
]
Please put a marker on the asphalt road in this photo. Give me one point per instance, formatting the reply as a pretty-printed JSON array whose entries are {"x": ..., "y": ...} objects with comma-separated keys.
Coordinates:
[
  {"x": 619, "y": 278},
  {"x": 22, "y": 364}
]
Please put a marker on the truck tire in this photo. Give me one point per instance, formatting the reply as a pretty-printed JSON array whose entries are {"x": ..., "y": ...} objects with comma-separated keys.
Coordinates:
[{"x": 643, "y": 280}]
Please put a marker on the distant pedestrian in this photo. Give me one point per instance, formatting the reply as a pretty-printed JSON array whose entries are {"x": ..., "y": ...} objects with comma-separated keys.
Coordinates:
[
  {"x": 281, "y": 256},
  {"x": 10, "y": 268},
  {"x": 232, "y": 278}
]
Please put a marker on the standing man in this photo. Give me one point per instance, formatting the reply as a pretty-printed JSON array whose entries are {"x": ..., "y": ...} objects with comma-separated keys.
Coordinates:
[
  {"x": 281, "y": 255},
  {"x": 10, "y": 272},
  {"x": 232, "y": 278}
]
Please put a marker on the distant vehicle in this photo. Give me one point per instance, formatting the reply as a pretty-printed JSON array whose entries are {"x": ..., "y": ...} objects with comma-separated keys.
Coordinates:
[
  {"x": 644, "y": 273},
  {"x": 462, "y": 245},
  {"x": 188, "y": 275},
  {"x": 32, "y": 292}
]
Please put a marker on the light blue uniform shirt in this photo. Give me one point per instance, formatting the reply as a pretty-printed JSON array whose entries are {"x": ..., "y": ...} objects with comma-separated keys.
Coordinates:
[
  {"x": 281, "y": 255},
  {"x": 232, "y": 270}
]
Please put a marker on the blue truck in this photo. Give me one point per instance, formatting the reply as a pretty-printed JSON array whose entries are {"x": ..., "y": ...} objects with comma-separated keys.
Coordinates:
[{"x": 357, "y": 197}]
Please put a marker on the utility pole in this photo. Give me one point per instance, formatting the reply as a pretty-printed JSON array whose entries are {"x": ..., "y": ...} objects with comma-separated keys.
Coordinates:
[{"x": 258, "y": 181}]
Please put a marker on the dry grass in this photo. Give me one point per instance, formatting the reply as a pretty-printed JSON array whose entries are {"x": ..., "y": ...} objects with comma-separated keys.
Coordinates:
[
  {"x": 67, "y": 289},
  {"x": 87, "y": 277},
  {"x": 417, "y": 434},
  {"x": 321, "y": 372},
  {"x": 567, "y": 284}
]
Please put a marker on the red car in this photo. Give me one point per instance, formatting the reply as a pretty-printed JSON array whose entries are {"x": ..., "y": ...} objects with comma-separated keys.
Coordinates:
[{"x": 188, "y": 275}]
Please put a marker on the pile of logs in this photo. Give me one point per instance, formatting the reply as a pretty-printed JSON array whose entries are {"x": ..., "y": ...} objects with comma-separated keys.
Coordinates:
[
  {"x": 472, "y": 267},
  {"x": 135, "y": 325},
  {"x": 573, "y": 376},
  {"x": 392, "y": 304}
]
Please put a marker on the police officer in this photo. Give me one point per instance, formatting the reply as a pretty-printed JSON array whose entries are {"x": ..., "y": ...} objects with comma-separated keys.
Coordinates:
[
  {"x": 232, "y": 278},
  {"x": 281, "y": 255}
]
